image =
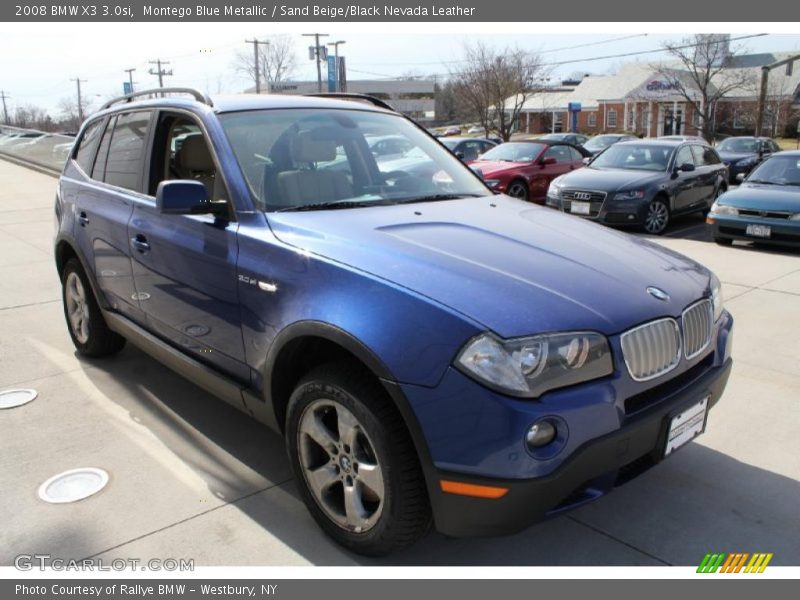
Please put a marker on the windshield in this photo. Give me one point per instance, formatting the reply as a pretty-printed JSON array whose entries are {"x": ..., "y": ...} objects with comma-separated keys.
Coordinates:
[
  {"x": 514, "y": 152},
  {"x": 778, "y": 170},
  {"x": 302, "y": 159},
  {"x": 600, "y": 142},
  {"x": 734, "y": 145},
  {"x": 451, "y": 143},
  {"x": 640, "y": 157}
]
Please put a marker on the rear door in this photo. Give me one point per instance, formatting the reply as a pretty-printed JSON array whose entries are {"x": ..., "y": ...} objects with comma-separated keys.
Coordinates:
[
  {"x": 185, "y": 265},
  {"x": 103, "y": 208}
]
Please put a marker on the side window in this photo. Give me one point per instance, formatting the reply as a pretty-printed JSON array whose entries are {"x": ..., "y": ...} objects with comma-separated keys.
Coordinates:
[
  {"x": 126, "y": 153},
  {"x": 99, "y": 169},
  {"x": 559, "y": 152},
  {"x": 699, "y": 158},
  {"x": 85, "y": 148},
  {"x": 684, "y": 156},
  {"x": 711, "y": 157},
  {"x": 575, "y": 154},
  {"x": 181, "y": 151}
]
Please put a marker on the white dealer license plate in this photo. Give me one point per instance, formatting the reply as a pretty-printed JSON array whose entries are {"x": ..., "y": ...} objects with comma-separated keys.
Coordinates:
[
  {"x": 762, "y": 231},
  {"x": 686, "y": 426},
  {"x": 580, "y": 208}
]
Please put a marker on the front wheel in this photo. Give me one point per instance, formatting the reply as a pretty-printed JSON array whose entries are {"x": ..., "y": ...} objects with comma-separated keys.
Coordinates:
[
  {"x": 518, "y": 189},
  {"x": 657, "y": 217},
  {"x": 87, "y": 328},
  {"x": 354, "y": 461}
]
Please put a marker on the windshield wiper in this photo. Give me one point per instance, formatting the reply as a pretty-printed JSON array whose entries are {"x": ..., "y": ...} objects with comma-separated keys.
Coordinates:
[
  {"x": 435, "y": 197},
  {"x": 332, "y": 205}
]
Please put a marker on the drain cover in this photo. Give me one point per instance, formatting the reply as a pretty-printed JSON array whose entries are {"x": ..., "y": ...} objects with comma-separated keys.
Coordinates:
[
  {"x": 14, "y": 398},
  {"x": 73, "y": 485}
]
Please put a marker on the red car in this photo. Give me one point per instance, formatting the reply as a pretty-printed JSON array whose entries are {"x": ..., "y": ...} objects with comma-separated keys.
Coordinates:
[
  {"x": 525, "y": 169},
  {"x": 452, "y": 130}
]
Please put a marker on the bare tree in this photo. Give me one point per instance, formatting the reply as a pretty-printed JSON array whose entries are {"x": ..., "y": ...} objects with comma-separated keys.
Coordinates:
[
  {"x": 69, "y": 113},
  {"x": 779, "y": 111},
  {"x": 700, "y": 72},
  {"x": 495, "y": 84},
  {"x": 277, "y": 61}
]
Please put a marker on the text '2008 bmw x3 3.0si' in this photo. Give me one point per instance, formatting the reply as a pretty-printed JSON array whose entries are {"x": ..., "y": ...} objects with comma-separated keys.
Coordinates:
[{"x": 431, "y": 352}]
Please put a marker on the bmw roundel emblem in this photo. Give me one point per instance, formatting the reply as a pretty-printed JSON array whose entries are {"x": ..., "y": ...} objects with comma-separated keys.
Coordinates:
[{"x": 658, "y": 293}]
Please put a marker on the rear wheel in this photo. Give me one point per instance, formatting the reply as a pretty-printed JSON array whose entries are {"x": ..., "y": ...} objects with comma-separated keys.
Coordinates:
[
  {"x": 354, "y": 461},
  {"x": 656, "y": 217},
  {"x": 85, "y": 322},
  {"x": 518, "y": 189}
]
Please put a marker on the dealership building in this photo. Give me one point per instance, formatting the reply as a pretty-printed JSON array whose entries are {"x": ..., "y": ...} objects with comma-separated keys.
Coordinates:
[
  {"x": 412, "y": 97},
  {"x": 640, "y": 99}
]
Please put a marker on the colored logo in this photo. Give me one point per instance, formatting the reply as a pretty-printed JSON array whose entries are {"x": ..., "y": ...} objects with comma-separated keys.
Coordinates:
[{"x": 737, "y": 562}]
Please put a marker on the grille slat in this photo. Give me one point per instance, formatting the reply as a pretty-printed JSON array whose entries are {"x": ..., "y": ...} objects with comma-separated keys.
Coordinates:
[
  {"x": 697, "y": 325},
  {"x": 652, "y": 349}
]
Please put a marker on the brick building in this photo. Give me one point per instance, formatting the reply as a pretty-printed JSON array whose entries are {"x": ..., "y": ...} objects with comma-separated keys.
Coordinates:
[{"x": 638, "y": 99}]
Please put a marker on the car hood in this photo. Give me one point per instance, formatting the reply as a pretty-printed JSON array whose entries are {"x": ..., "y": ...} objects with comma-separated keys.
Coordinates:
[
  {"x": 735, "y": 156},
  {"x": 764, "y": 197},
  {"x": 492, "y": 168},
  {"x": 609, "y": 180},
  {"x": 510, "y": 267}
]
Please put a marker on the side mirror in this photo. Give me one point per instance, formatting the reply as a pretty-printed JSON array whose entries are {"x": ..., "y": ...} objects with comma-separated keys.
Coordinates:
[
  {"x": 183, "y": 197},
  {"x": 686, "y": 167},
  {"x": 548, "y": 160},
  {"x": 740, "y": 177},
  {"x": 460, "y": 155}
]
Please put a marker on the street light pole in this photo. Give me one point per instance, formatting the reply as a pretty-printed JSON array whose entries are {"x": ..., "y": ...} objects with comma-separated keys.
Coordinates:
[
  {"x": 316, "y": 37},
  {"x": 130, "y": 77}
]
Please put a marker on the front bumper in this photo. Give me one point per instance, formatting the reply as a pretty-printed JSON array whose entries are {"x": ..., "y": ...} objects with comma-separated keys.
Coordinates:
[
  {"x": 592, "y": 471},
  {"x": 783, "y": 231},
  {"x": 615, "y": 430},
  {"x": 609, "y": 211}
]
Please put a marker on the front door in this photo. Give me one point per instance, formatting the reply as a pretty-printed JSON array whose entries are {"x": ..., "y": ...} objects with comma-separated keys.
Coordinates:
[
  {"x": 185, "y": 265},
  {"x": 687, "y": 193}
]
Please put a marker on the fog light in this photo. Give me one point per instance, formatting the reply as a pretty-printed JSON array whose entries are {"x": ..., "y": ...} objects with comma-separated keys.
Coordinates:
[{"x": 540, "y": 434}]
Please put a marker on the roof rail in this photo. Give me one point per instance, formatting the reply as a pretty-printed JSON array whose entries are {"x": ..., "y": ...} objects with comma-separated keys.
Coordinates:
[
  {"x": 362, "y": 97},
  {"x": 199, "y": 96}
]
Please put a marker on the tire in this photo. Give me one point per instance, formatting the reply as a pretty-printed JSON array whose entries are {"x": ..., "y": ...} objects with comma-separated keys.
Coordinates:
[
  {"x": 518, "y": 189},
  {"x": 339, "y": 422},
  {"x": 656, "y": 217},
  {"x": 723, "y": 241},
  {"x": 85, "y": 322}
]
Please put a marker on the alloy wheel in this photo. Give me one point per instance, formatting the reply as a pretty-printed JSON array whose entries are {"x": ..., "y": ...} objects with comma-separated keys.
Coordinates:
[
  {"x": 657, "y": 217},
  {"x": 518, "y": 190},
  {"x": 77, "y": 307},
  {"x": 340, "y": 465}
]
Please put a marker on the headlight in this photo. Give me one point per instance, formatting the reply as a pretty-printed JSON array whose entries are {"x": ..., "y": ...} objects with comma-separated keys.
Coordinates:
[
  {"x": 630, "y": 195},
  {"x": 724, "y": 209},
  {"x": 795, "y": 217},
  {"x": 554, "y": 190},
  {"x": 747, "y": 162},
  {"x": 527, "y": 367},
  {"x": 492, "y": 183},
  {"x": 716, "y": 297}
]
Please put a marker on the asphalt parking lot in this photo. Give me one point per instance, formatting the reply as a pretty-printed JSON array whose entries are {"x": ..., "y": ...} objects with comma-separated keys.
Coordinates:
[{"x": 193, "y": 478}]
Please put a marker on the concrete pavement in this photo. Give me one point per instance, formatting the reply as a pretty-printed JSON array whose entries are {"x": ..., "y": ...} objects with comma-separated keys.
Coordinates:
[{"x": 193, "y": 478}]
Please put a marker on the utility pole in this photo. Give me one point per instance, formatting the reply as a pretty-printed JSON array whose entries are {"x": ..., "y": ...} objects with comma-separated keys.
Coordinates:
[
  {"x": 130, "y": 77},
  {"x": 762, "y": 93},
  {"x": 78, "y": 82},
  {"x": 257, "y": 63},
  {"x": 160, "y": 71},
  {"x": 317, "y": 53},
  {"x": 5, "y": 108},
  {"x": 336, "y": 62}
]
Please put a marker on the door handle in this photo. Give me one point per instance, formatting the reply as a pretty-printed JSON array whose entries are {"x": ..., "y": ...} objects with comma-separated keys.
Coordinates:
[
  {"x": 139, "y": 243},
  {"x": 83, "y": 219}
]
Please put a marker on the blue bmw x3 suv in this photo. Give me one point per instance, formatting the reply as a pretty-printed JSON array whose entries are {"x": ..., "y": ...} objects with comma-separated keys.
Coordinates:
[{"x": 431, "y": 352}]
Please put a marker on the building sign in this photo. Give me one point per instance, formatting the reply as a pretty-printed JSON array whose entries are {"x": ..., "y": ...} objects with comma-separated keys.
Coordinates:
[
  {"x": 661, "y": 86},
  {"x": 332, "y": 75}
]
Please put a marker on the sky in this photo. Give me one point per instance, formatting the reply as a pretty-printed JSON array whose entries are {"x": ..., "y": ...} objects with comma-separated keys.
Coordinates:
[{"x": 38, "y": 61}]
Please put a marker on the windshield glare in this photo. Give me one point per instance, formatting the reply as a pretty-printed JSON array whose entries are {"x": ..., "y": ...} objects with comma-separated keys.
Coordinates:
[
  {"x": 778, "y": 170},
  {"x": 641, "y": 157},
  {"x": 514, "y": 152},
  {"x": 731, "y": 145},
  {"x": 298, "y": 158},
  {"x": 599, "y": 142}
]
